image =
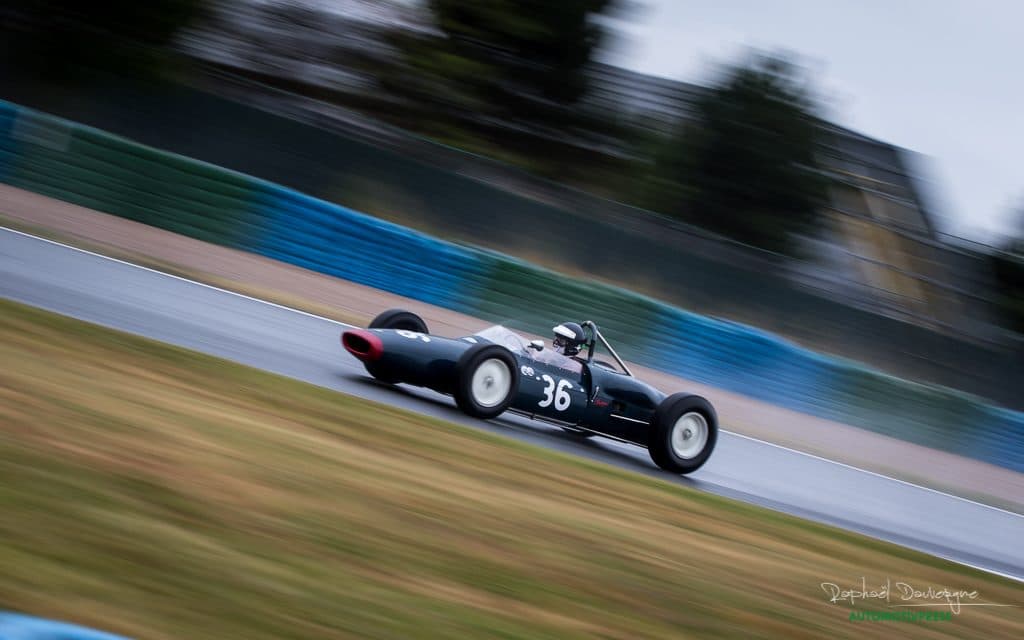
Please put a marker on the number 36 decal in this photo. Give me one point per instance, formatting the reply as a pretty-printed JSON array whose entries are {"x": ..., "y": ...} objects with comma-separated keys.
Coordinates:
[{"x": 558, "y": 394}]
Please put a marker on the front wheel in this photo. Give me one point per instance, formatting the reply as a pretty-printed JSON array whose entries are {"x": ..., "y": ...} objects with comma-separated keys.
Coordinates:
[
  {"x": 486, "y": 381},
  {"x": 683, "y": 433}
]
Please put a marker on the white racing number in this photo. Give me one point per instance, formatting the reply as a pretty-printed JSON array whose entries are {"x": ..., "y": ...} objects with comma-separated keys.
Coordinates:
[
  {"x": 412, "y": 335},
  {"x": 562, "y": 397},
  {"x": 559, "y": 394}
]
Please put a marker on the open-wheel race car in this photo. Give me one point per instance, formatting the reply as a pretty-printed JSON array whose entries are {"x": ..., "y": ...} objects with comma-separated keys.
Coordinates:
[{"x": 496, "y": 370}]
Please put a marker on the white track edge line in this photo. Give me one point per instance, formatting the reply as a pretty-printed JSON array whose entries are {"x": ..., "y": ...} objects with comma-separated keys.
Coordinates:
[
  {"x": 176, "y": 277},
  {"x": 345, "y": 324},
  {"x": 1001, "y": 574},
  {"x": 876, "y": 474}
]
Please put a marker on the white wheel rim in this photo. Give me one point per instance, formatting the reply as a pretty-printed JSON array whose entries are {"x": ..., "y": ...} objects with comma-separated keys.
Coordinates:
[
  {"x": 689, "y": 435},
  {"x": 491, "y": 382}
]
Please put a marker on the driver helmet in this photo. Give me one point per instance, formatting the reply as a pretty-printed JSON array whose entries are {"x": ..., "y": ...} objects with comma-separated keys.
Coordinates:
[{"x": 568, "y": 338}]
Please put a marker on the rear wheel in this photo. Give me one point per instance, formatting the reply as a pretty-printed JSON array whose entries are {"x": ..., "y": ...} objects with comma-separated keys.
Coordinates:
[
  {"x": 486, "y": 381},
  {"x": 393, "y": 319},
  {"x": 399, "y": 319},
  {"x": 683, "y": 433}
]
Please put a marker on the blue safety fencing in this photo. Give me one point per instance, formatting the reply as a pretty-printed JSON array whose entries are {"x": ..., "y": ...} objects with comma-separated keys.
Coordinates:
[
  {"x": 8, "y": 152},
  {"x": 16, "y": 626},
  {"x": 766, "y": 367},
  {"x": 332, "y": 239},
  {"x": 89, "y": 167}
]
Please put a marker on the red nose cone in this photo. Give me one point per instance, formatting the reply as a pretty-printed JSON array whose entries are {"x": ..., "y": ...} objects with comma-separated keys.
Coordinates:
[{"x": 362, "y": 344}]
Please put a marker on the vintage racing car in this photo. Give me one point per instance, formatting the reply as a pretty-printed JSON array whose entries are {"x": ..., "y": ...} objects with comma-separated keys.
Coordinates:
[{"x": 496, "y": 370}]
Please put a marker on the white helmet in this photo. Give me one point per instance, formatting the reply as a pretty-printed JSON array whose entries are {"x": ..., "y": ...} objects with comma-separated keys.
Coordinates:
[{"x": 569, "y": 337}]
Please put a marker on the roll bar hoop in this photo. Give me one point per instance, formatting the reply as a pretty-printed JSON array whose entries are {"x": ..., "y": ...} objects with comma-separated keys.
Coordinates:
[{"x": 595, "y": 335}]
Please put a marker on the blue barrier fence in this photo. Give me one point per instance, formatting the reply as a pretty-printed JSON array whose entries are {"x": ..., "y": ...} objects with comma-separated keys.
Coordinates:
[
  {"x": 89, "y": 167},
  {"x": 15, "y": 626},
  {"x": 8, "y": 151},
  {"x": 331, "y": 239}
]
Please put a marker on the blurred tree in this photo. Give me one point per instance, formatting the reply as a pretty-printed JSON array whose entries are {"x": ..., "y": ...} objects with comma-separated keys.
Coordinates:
[
  {"x": 510, "y": 71},
  {"x": 64, "y": 38},
  {"x": 745, "y": 164},
  {"x": 1008, "y": 263},
  {"x": 535, "y": 52}
]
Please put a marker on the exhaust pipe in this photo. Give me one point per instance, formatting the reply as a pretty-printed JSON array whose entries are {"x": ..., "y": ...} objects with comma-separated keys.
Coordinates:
[{"x": 363, "y": 344}]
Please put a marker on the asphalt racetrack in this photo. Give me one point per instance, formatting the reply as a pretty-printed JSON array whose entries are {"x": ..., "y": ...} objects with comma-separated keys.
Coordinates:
[{"x": 295, "y": 344}]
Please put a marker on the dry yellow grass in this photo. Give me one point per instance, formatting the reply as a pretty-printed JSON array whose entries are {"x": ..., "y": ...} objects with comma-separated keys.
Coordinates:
[{"x": 159, "y": 493}]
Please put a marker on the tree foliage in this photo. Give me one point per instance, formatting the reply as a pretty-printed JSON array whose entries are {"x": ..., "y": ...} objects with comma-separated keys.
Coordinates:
[
  {"x": 534, "y": 49},
  {"x": 61, "y": 38},
  {"x": 506, "y": 66},
  {"x": 745, "y": 164}
]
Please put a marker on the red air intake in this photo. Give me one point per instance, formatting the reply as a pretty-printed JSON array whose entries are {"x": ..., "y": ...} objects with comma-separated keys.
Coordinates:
[{"x": 362, "y": 344}]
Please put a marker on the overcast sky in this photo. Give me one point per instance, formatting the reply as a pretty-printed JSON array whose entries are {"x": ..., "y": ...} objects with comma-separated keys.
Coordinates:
[{"x": 941, "y": 77}]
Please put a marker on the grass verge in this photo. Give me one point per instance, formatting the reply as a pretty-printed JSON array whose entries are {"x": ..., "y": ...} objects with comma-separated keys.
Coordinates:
[{"x": 159, "y": 493}]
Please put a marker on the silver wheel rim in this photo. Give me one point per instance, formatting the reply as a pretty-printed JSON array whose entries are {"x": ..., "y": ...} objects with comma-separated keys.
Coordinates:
[
  {"x": 689, "y": 435},
  {"x": 491, "y": 383}
]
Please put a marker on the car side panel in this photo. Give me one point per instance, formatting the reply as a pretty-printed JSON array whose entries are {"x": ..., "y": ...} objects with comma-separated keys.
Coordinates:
[
  {"x": 621, "y": 406},
  {"x": 550, "y": 391},
  {"x": 593, "y": 396}
]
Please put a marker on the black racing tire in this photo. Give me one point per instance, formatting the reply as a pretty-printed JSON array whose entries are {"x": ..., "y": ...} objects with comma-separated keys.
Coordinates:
[
  {"x": 683, "y": 433},
  {"x": 399, "y": 319},
  {"x": 478, "y": 371}
]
